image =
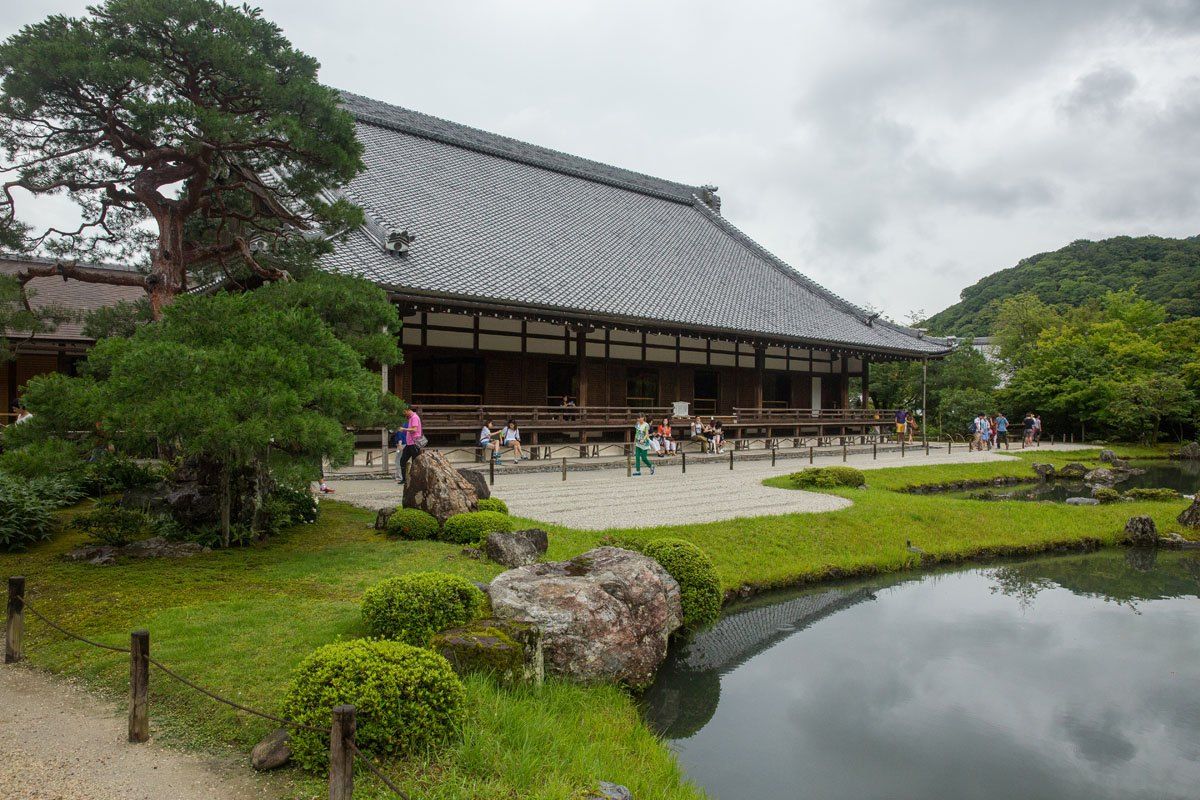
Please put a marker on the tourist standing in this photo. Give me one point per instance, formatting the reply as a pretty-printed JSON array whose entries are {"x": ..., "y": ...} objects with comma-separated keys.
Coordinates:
[
  {"x": 1027, "y": 425},
  {"x": 910, "y": 425},
  {"x": 1002, "y": 430},
  {"x": 985, "y": 433},
  {"x": 641, "y": 445},
  {"x": 1037, "y": 428},
  {"x": 901, "y": 423},
  {"x": 414, "y": 439}
]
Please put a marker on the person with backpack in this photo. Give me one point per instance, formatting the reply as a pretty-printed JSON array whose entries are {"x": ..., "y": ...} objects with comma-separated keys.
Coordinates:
[
  {"x": 1001, "y": 430},
  {"x": 1027, "y": 423}
]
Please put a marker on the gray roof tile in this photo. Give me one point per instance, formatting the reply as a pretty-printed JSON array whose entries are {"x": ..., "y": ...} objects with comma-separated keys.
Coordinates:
[{"x": 502, "y": 221}]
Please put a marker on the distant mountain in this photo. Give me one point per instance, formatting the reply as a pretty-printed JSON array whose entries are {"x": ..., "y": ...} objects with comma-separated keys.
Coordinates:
[{"x": 1166, "y": 271}]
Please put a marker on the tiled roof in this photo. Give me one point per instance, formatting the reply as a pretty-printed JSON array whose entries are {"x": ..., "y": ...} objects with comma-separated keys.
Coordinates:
[
  {"x": 73, "y": 295},
  {"x": 500, "y": 221}
]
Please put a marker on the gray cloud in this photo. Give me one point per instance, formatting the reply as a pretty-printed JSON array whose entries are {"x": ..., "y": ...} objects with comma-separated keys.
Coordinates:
[{"x": 895, "y": 150}]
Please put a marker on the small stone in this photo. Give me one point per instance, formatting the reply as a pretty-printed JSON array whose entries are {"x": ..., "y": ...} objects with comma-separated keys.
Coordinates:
[
  {"x": 1073, "y": 471},
  {"x": 1190, "y": 516},
  {"x": 1082, "y": 501},
  {"x": 272, "y": 752},
  {"x": 476, "y": 479},
  {"x": 1141, "y": 531},
  {"x": 518, "y": 548},
  {"x": 509, "y": 649},
  {"x": 473, "y": 552},
  {"x": 1102, "y": 476},
  {"x": 1119, "y": 464},
  {"x": 1107, "y": 456},
  {"x": 609, "y": 791},
  {"x": 382, "y": 516},
  {"x": 1044, "y": 471}
]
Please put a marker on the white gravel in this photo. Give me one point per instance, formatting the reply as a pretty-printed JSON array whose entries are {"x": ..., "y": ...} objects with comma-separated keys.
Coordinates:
[
  {"x": 59, "y": 743},
  {"x": 606, "y": 498}
]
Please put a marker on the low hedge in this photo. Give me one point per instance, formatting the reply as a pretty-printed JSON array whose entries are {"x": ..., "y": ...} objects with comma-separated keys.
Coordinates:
[
  {"x": 412, "y": 608},
  {"x": 697, "y": 577},
  {"x": 413, "y": 524},
  {"x": 114, "y": 525},
  {"x": 407, "y": 700},
  {"x": 828, "y": 477},
  {"x": 1106, "y": 495},
  {"x": 472, "y": 526},
  {"x": 1152, "y": 494},
  {"x": 493, "y": 504}
]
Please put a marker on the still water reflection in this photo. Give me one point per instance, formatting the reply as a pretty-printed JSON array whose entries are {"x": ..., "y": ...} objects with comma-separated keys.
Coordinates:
[{"x": 1069, "y": 677}]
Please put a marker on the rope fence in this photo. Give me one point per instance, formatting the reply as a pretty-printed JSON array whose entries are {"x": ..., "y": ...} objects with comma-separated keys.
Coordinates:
[{"x": 343, "y": 750}]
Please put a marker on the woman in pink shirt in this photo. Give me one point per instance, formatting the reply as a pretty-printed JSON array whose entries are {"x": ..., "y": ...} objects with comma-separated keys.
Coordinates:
[{"x": 414, "y": 441}]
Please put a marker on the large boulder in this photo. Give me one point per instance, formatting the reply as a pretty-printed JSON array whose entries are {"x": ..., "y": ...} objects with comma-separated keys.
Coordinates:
[
  {"x": 516, "y": 549},
  {"x": 1083, "y": 501},
  {"x": 1190, "y": 451},
  {"x": 435, "y": 486},
  {"x": 605, "y": 615},
  {"x": 1102, "y": 476},
  {"x": 1141, "y": 532},
  {"x": 1190, "y": 516},
  {"x": 1073, "y": 471},
  {"x": 476, "y": 479}
]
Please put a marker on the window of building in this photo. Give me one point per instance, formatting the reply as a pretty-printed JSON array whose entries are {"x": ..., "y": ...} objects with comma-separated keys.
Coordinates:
[
  {"x": 562, "y": 380},
  {"x": 448, "y": 380},
  {"x": 707, "y": 385},
  {"x": 777, "y": 390}
]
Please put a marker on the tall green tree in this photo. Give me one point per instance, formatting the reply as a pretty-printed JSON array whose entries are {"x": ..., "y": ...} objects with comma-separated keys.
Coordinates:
[{"x": 187, "y": 130}]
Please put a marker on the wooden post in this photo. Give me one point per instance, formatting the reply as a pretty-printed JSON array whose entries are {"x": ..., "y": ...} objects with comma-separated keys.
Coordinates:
[
  {"x": 926, "y": 445},
  {"x": 843, "y": 449},
  {"x": 683, "y": 455},
  {"x": 628, "y": 466},
  {"x": 731, "y": 457},
  {"x": 874, "y": 450},
  {"x": 810, "y": 454},
  {"x": 341, "y": 757},
  {"x": 902, "y": 441},
  {"x": 491, "y": 471},
  {"x": 773, "y": 451},
  {"x": 139, "y": 686},
  {"x": 564, "y": 468},
  {"x": 949, "y": 447},
  {"x": 14, "y": 630}
]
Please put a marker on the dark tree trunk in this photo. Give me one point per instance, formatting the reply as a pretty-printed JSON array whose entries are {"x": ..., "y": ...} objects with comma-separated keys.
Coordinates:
[{"x": 225, "y": 503}]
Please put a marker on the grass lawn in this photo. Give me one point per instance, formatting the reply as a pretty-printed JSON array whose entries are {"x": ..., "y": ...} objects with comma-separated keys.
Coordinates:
[{"x": 239, "y": 621}]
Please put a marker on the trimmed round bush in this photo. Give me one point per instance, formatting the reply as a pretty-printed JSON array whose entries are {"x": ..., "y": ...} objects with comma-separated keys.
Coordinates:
[
  {"x": 413, "y": 524},
  {"x": 407, "y": 700},
  {"x": 412, "y": 608},
  {"x": 828, "y": 477},
  {"x": 493, "y": 504},
  {"x": 472, "y": 526},
  {"x": 696, "y": 575},
  {"x": 1106, "y": 495}
]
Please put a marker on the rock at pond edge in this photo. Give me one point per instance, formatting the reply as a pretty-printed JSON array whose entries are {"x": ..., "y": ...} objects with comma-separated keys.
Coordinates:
[{"x": 509, "y": 649}]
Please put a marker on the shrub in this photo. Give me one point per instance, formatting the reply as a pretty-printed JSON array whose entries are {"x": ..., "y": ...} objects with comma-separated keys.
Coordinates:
[
  {"x": 1106, "y": 494},
  {"x": 412, "y": 608},
  {"x": 116, "y": 474},
  {"x": 493, "y": 504},
  {"x": 26, "y": 516},
  {"x": 48, "y": 458},
  {"x": 412, "y": 524},
  {"x": 470, "y": 527},
  {"x": 1152, "y": 494},
  {"x": 697, "y": 577},
  {"x": 828, "y": 477},
  {"x": 114, "y": 525},
  {"x": 296, "y": 505},
  {"x": 623, "y": 542},
  {"x": 407, "y": 699},
  {"x": 59, "y": 492}
]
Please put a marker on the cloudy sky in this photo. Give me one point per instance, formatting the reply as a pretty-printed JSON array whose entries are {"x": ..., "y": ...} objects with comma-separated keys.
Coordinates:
[{"x": 895, "y": 150}]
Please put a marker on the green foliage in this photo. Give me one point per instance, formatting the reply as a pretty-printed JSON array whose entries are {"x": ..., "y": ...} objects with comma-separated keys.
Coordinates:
[
  {"x": 112, "y": 473},
  {"x": 114, "y": 525},
  {"x": 827, "y": 477},
  {"x": 408, "y": 700},
  {"x": 412, "y": 524},
  {"x": 1160, "y": 495},
  {"x": 412, "y": 608},
  {"x": 119, "y": 320},
  {"x": 960, "y": 406},
  {"x": 1106, "y": 494},
  {"x": 201, "y": 95},
  {"x": 697, "y": 577},
  {"x": 897, "y": 384},
  {"x": 493, "y": 504},
  {"x": 50, "y": 457},
  {"x": 26, "y": 512},
  {"x": 18, "y": 317},
  {"x": 1163, "y": 271},
  {"x": 296, "y": 505},
  {"x": 473, "y": 526}
]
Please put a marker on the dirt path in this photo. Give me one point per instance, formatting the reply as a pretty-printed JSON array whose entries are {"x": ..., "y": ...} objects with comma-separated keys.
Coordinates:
[{"x": 59, "y": 743}]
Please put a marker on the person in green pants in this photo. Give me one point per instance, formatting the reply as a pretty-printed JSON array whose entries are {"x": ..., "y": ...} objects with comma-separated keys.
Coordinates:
[{"x": 641, "y": 445}]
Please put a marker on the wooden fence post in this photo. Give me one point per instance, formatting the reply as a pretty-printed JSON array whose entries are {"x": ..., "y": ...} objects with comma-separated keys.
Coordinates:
[
  {"x": 139, "y": 686},
  {"x": 14, "y": 629},
  {"x": 684, "y": 462},
  {"x": 874, "y": 450},
  {"x": 810, "y": 454},
  {"x": 628, "y": 466},
  {"x": 902, "y": 441},
  {"x": 564, "y": 469},
  {"x": 843, "y": 449},
  {"x": 949, "y": 447},
  {"x": 773, "y": 456},
  {"x": 491, "y": 472},
  {"x": 731, "y": 458},
  {"x": 341, "y": 757}
]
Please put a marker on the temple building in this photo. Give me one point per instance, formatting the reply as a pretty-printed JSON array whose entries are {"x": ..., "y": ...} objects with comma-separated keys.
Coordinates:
[{"x": 529, "y": 278}]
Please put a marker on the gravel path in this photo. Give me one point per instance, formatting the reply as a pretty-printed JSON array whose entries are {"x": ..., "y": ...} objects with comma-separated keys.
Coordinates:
[
  {"x": 59, "y": 743},
  {"x": 606, "y": 498}
]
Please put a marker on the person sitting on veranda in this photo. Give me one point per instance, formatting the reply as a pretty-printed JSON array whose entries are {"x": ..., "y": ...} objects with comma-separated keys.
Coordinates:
[
  {"x": 664, "y": 434},
  {"x": 489, "y": 441},
  {"x": 512, "y": 438},
  {"x": 699, "y": 435}
]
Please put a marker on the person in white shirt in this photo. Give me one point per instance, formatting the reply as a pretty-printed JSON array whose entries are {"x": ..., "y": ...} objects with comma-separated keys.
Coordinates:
[
  {"x": 512, "y": 438},
  {"x": 488, "y": 440}
]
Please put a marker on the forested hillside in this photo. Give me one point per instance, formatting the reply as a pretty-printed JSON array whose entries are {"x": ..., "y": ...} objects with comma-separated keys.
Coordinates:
[{"x": 1165, "y": 271}]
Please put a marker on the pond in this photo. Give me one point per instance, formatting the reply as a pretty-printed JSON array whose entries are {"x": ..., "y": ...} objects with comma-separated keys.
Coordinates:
[
  {"x": 1182, "y": 476},
  {"x": 1074, "y": 677}
]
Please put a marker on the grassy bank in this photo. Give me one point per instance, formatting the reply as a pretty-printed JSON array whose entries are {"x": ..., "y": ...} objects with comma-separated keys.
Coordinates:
[{"x": 239, "y": 621}]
